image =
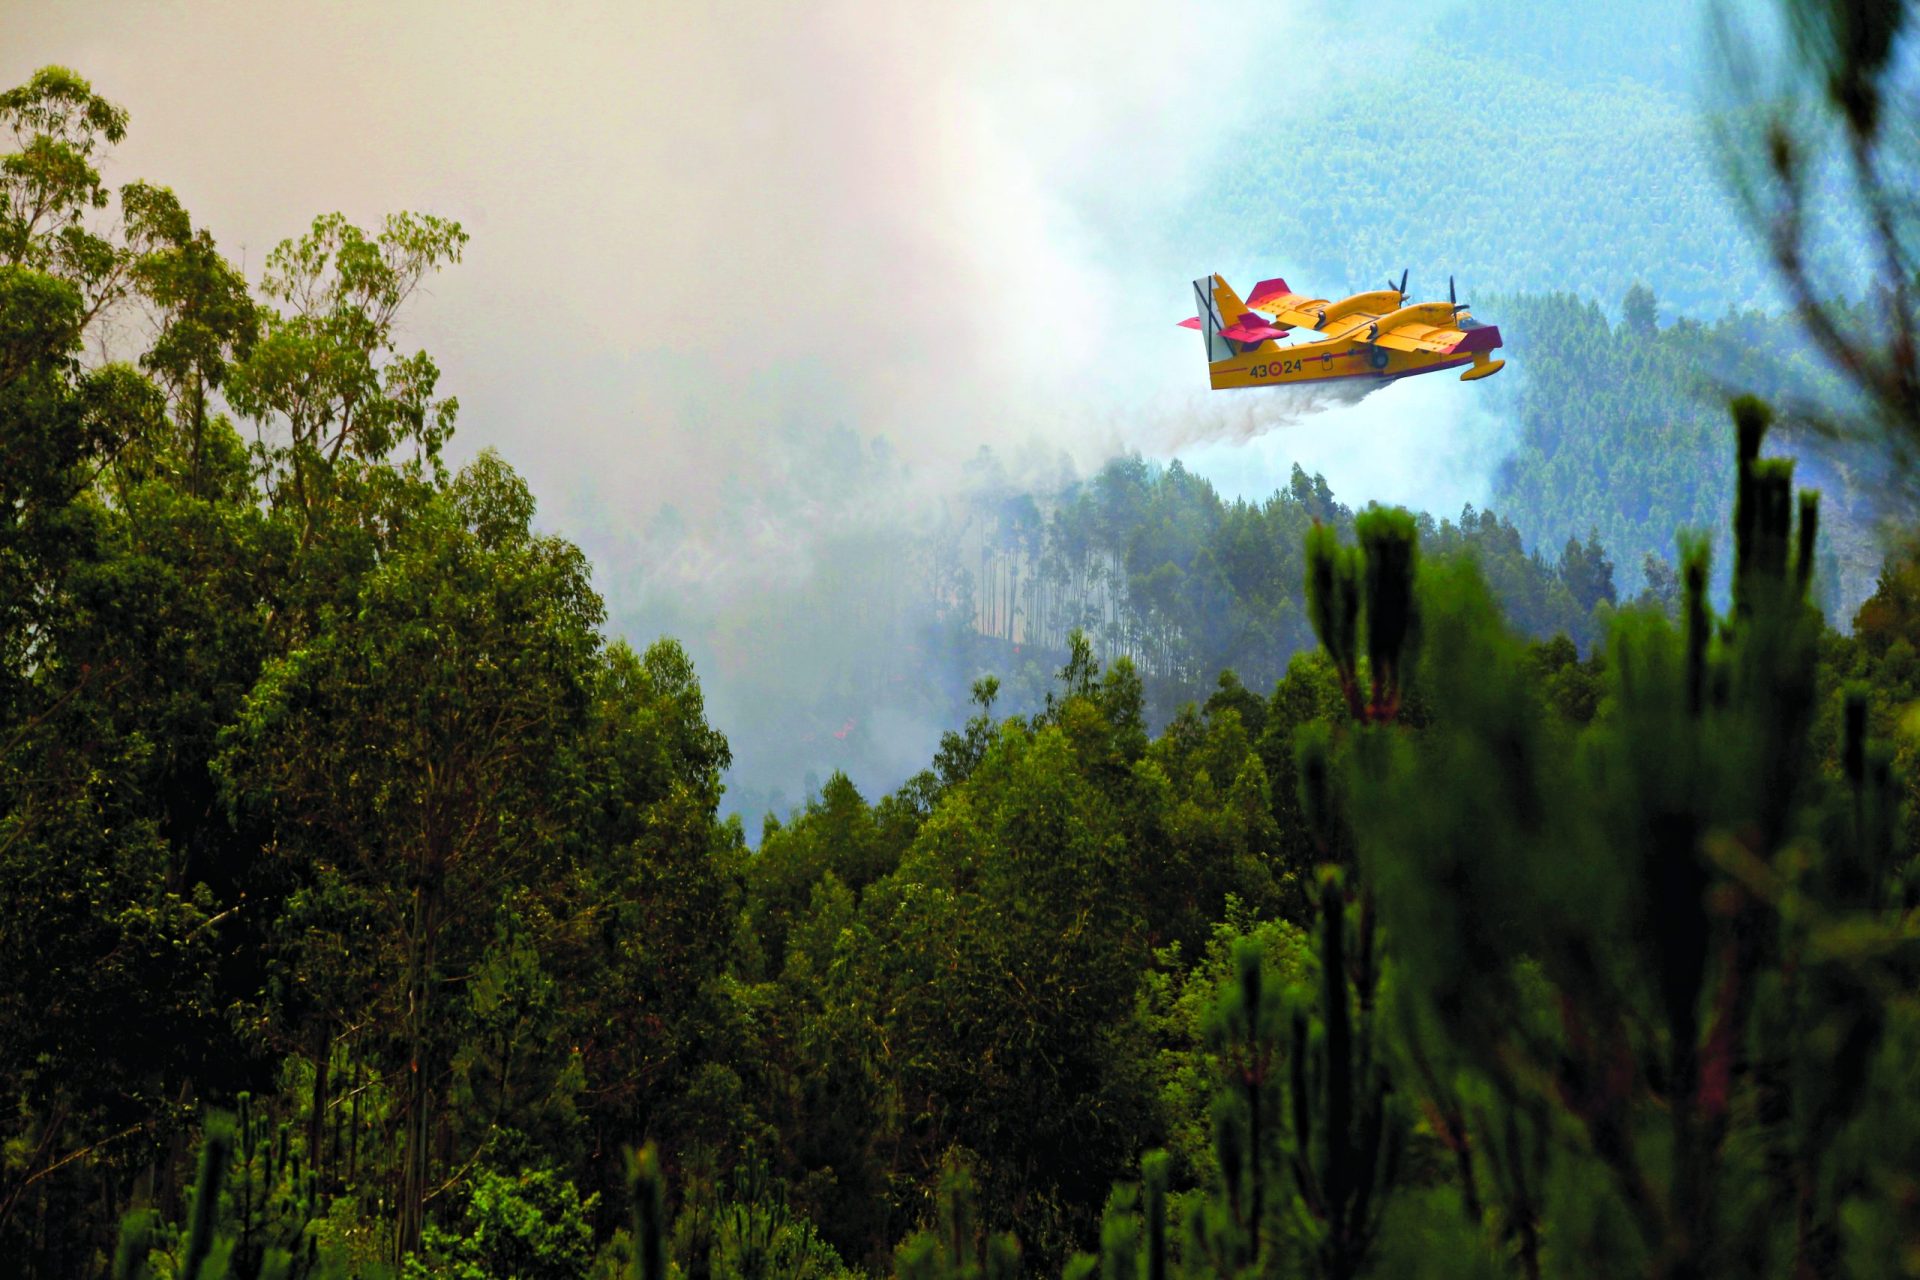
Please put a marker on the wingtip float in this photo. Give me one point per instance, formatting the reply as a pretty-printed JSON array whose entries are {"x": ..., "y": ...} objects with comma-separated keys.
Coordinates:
[{"x": 1369, "y": 335}]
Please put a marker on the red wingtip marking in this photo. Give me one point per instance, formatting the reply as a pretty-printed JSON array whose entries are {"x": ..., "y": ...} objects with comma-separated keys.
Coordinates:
[{"x": 1485, "y": 338}]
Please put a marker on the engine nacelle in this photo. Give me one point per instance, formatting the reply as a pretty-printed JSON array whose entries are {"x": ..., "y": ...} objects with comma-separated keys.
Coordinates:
[
  {"x": 1376, "y": 302},
  {"x": 1431, "y": 314}
]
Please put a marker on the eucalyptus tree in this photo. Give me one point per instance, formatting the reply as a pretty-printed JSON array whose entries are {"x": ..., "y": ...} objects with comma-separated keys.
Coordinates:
[
  {"x": 105, "y": 938},
  {"x": 417, "y": 746}
]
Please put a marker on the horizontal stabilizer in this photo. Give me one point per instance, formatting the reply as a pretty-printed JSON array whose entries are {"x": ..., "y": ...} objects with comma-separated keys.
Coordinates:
[
  {"x": 1191, "y": 322},
  {"x": 1252, "y": 328}
]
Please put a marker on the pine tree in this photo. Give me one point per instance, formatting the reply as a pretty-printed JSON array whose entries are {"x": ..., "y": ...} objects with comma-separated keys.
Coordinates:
[
  {"x": 248, "y": 1213},
  {"x": 1622, "y": 956}
]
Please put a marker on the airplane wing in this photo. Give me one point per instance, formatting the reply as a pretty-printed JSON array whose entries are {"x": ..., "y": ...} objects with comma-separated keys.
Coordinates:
[
  {"x": 1419, "y": 337},
  {"x": 1295, "y": 310},
  {"x": 1471, "y": 335}
]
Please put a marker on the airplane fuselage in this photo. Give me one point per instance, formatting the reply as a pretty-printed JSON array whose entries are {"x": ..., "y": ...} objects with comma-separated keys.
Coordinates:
[{"x": 1272, "y": 363}]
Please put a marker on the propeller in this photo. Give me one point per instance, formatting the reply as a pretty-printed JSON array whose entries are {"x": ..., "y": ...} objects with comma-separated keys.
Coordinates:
[
  {"x": 1400, "y": 288},
  {"x": 1458, "y": 306}
]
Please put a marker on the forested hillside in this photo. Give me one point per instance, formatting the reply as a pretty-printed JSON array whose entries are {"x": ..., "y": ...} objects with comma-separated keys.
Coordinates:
[
  {"x": 1621, "y": 432},
  {"x": 1518, "y": 153},
  {"x": 1145, "y": 559}
]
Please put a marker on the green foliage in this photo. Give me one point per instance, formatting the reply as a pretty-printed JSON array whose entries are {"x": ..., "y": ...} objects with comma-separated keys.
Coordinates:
[
  {"x": 318, "y": 783},
  {"x": 1655, "y": 928},
  {"x": 328, "y": 368},
  {"x": 954, "y": 1248},
  {"x": 533, "y": 1226},
  {"x": 1307, "y": 1132},
  {"x": 1640, "y": 311},
  {"x": 229, "y": 1234},
  {"x": 743, "y": 1226},
  {"x": 1821, "y": 161},
  {"x": 48, "y": 183},
  {"x": 1152, "y": 565},
  {"x": 1346, "y": 1130},
  {"x": 761, "y": 1239},
  {"x": 1656, "y": 888},
  {"x": 648, "y": 1192},
  {"x": 1180, "y": 1011},
  {"x": 1379, "y": 574}
]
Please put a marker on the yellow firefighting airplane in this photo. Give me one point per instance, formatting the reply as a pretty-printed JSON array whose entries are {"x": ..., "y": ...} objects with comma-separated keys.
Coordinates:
[{"x": 1370, "y": 335}]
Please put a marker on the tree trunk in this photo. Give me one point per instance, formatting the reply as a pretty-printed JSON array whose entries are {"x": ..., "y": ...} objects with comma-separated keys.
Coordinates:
[
  {"x": 353, "y": 1128},
  {"x": 317, "y": 1121},
  {"x": 410, "y": 1211}
]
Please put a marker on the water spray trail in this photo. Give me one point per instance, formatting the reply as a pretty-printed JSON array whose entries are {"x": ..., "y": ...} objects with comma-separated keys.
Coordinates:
[{"x": 1239, "y": 416}]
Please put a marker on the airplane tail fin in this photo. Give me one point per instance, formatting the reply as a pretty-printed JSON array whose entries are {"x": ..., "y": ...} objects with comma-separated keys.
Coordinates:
[{"x": 1221, "y": 309}]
